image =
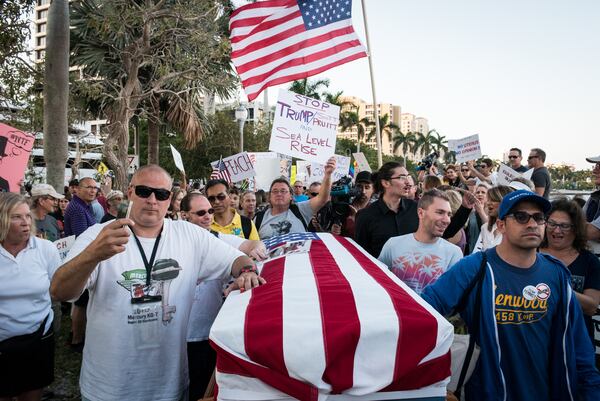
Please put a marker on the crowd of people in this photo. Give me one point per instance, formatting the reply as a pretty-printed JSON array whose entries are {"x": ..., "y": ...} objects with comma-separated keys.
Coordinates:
[{"x": 144, "y": 287}]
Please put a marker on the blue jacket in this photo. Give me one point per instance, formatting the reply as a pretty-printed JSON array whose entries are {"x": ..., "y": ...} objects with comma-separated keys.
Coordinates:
[{"x": 573, "y": 375}]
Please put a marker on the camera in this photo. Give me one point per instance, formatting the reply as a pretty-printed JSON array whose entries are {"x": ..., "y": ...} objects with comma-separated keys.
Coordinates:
[
  {"x": 428, "y": 161},
  {"x": 336, "y": 211}
]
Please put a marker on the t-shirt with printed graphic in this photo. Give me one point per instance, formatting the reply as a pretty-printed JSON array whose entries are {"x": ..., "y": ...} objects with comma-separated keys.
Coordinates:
[
  {"x": 284, "y": 223},
  {"x": 585, "y": 273},
  {"x": 416, "y": 263},
  {"x": 137, "y": 351},
  {"x": 525, "y": 303}
]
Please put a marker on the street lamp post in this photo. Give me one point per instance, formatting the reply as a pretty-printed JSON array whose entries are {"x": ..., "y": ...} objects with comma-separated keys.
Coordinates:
[{"x": 241, "y": 115}]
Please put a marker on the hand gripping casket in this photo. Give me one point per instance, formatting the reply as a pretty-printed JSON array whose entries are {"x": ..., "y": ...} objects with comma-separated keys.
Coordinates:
[{"x": 332, "y": 323}]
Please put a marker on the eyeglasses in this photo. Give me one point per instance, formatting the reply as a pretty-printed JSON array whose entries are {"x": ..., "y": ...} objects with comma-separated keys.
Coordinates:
[
  {"x": 400, "y": 177},
  {"x": 532, "y": 157},
  {"x": 562, "y": 226},
  {"x": 313, "y": 194},
  {"x": 160, "y": 194},
  {"x": 201, "y": 213},
  {"x": 523, "y": 217},
  {"x": 513, "y": 157},
  {"x": 221, "y": 197},
  {"x": 89, "y": 187},
  {"x": 280, "y": 191}
]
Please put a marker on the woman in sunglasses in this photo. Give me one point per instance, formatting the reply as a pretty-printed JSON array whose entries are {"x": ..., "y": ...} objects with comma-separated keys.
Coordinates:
[{"x": 565, "y": 240}]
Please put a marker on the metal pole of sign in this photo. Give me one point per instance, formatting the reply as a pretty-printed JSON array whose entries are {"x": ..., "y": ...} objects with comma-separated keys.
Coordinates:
[{"x": 375, "y": 111}]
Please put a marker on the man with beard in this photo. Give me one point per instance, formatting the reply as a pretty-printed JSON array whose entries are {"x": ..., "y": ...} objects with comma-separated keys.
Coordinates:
[
  {"x": 520, "y": 309},
  {"x": 419, "y": 259}
]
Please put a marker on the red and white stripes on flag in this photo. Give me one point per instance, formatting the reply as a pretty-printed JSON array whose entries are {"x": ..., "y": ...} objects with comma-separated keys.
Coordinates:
[
  {"x": 219, "y": 172},
  {"x": 278, "y": 41},
  {"x": 330, "y": 321}
]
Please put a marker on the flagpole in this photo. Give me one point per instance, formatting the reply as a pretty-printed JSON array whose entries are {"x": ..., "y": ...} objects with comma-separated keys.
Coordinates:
[{"x": 375, "y": 111}]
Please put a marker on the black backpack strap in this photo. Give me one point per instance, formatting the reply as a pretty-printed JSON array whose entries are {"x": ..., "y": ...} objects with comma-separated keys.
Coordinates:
[
  {"x": 258, "y": 218},
  {"x": 215, "y": 233},
  {"x": 477, "y": 281},
  {"x": 296, "y": 211},
  {"x": 246, "y": 226}
]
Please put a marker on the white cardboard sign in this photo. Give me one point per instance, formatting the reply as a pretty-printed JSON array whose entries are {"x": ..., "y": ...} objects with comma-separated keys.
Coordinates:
[
  {"x": 361, "y": 161},
  {"x": 304, "y": 127},
  {"x": 239, "y": 166},
  {"x": 506, "y": 174},
  {"x": 466, "y": 149},
  {"x": 267, "y": 167},
  {"x": 177, "y": 159},
  {"x": 64, "y": 245},
  {"x": 317, "y": 171}
]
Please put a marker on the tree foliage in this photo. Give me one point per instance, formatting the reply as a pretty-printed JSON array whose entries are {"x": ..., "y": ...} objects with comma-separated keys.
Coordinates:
[{"x": 135, "y": 53}]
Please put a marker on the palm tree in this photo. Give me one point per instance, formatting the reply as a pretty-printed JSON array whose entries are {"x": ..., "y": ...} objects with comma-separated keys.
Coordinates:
[
  {"x": 309, "y": 88},
  {"x": 438, "y": 142},
  {"x": 56, "y": 96},
  {"x": 405, "y": 141},
  {"x": 385, "y": 125},
  {"x": 352, "y": 120}
]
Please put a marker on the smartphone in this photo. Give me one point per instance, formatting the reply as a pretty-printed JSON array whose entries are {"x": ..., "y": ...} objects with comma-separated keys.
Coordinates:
[{"x": 123, "y": 210}]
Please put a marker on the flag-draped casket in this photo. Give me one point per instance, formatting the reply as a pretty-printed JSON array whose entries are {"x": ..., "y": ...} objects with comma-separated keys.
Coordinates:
[{"x": 332, "y": 323}]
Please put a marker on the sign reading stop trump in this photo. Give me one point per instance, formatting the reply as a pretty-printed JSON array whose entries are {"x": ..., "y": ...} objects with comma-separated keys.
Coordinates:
[{"x": 304, "y": 127}]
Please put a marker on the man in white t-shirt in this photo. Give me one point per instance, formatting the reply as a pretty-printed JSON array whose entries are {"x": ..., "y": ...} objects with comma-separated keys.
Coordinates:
[
  {"x": 285, "y": 217},
  {"x": 141, "y": 293},
  {"x": 418, "y": 259},
  {"x": 208, "y": 296}
]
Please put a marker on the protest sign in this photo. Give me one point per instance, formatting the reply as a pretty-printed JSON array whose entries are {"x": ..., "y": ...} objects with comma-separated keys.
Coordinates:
[
  {"x": 177, "y": 159},
  {"x": 239, "y": 166},
  {"x": 285, "y": 165},
  {"x": 361, "y": 161},
  {"x": 466, "y": 148},
  {"x": 302, "y": 170},
  {"x": 64, "y": 245},
  {"x": 317, "y": 171},
  {"x": 507, "y": 174},
  {"x": 267, "y": 167},
  {"x": 15, "y": 148},
  {"x": 304, "y": 127}
]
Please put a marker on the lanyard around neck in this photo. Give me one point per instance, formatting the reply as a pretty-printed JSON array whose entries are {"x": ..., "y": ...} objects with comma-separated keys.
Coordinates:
[{"x": 148, "y": 264}]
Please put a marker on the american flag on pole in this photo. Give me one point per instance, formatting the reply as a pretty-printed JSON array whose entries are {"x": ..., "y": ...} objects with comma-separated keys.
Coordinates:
[
  {"x": 219, "y": 172},
  {"x": 278, "y": 41},
  {"x": 330, "y": 322}
]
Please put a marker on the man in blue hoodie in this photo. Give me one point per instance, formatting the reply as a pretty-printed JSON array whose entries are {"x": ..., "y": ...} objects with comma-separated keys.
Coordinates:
[{"x": 530, "y": 326}]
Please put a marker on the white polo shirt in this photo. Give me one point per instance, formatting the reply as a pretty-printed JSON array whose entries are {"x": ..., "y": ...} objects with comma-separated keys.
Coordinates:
[{"x": 25, "y": 287}]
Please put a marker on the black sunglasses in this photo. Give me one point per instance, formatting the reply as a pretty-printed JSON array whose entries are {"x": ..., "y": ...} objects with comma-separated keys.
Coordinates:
[
  {"x": 143, "y": 191},
  {"x": 314, "y": 194},
  {"x": 220, "y": 197},
  {"x": 201, "y": 213},
  {"x": 513, "y": 157},
  {"x": 524, "y": 217}
]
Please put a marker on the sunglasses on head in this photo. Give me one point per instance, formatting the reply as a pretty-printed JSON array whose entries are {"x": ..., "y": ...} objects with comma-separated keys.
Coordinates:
[
  {"x": 220, "y": 197},
  {"x": 160, "y": 194},
  {"x": 524, "y": 217},
  {"x": 201, "y": 213}
]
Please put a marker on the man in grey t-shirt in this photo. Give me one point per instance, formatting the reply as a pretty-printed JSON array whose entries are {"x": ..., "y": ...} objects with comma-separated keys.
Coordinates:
[
  {"x": 540, "y": 177},
  {"x": 419, "y": 259},
  {"x": 285, "y": 217}
]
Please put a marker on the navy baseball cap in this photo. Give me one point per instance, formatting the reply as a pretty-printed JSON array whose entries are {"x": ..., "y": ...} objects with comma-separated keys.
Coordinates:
[{"x": 512, "y": 199}]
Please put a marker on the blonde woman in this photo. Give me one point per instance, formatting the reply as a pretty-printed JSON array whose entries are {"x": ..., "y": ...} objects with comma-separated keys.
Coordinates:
[{"x": 27, "y": 264}]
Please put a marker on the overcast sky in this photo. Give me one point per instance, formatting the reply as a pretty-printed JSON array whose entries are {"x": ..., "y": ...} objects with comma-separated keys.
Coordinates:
[{"x": 518, "y": 73}]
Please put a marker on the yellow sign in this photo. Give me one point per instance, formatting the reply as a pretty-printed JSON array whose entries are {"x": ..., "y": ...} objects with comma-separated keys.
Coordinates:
[
  {"x": 293, "y": 175},
  {"x": 102, "y": 169}
]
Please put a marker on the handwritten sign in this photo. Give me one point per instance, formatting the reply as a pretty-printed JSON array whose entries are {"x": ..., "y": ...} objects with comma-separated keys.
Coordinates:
[
  {"x": 239, "y": 166},
  {"x": 64, "y": 246},
  {"x": 506, "y": 174},
  {"x": 466, "y": 149},
  {"x": 317, "y": 171},
  {"x": 177, "y": 159},
  {"x": 304, "y": 127},
  {"x": 15, "y": 148},
  {"x": 361, "y": 161}
]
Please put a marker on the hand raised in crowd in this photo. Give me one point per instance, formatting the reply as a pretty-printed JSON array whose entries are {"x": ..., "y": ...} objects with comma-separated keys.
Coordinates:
[
  {"x": 468, "y": 199},
  {"x": 433, "y": 170},
  {"x": 111, "y": 240},
  {"x": 330, "y": 165}
]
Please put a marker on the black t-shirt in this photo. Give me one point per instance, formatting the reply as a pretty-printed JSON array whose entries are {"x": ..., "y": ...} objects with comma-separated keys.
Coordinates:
[
  {"x": 541, "y": 179},
  {"x": 107, "y": 217},
  {"x": 585, "y": 273},
  {"x": 521, "y": 169}
]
